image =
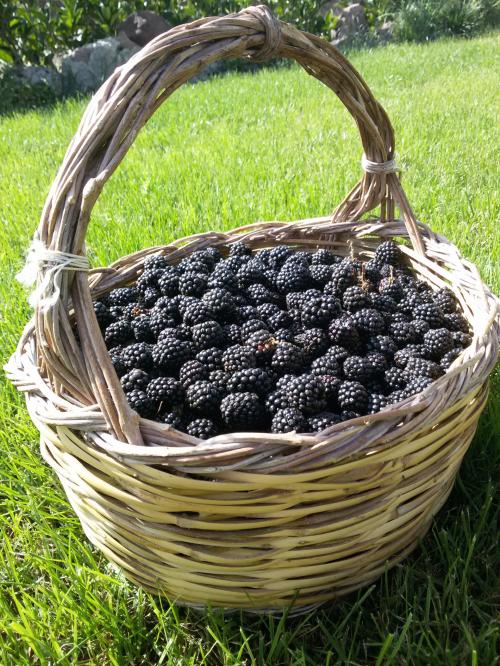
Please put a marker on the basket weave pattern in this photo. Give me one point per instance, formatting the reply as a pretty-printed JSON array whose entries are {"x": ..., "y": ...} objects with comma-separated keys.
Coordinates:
[{"x": 246, "y": 520}]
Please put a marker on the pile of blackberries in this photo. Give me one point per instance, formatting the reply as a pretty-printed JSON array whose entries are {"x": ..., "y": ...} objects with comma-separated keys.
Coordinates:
[{"x": 278, "y": 340}]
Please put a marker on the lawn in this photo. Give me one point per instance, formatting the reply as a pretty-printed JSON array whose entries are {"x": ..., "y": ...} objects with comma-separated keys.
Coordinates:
[{"x": 275, "y": 145}]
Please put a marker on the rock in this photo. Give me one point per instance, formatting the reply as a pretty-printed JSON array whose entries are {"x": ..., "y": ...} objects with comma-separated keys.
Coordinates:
[
  {"x": 331, "y": 6},
  {"x": 42, "y": 76},
  {"x": 141, "y": 27},
  {"x": 386, "y": 32},
  {"x": 351, "y": 26}
]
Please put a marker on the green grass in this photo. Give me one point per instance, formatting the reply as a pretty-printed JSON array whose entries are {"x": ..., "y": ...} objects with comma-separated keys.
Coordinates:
[{"x": 276, "y": 145}]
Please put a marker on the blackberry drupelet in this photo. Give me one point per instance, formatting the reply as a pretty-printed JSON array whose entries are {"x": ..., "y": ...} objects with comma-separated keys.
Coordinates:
[
  {"x": 138, "y": 356},
  {"x": 202, "y": 428},
  {"x": 208, "y": 334},
  {"x": 243, "y": 411},
  {"x": 288, "y": 419},
  {"x": 353, "y": 397},
  {"x": 135, "y": 379},
  {"x": 191, "y": 372},
  {"x": 306, "y": 393},
  {"x": 323, "y": 420},
  {"x": 141, "y": 403},
  {"x": 211, "y": 357},
  {"x": 355, "y": 298},
  {"x": 437, "y": 342},
  {"x": 250, "y": 380},
  {"x": 238, "y": 357},
  {"x": 170, "y": 354},
  {"x": 203, "y": 397},
  {"x": 287, "y": 358},
  {"x": 118, "y": 333},
  {"x": 192, "y": 284}
]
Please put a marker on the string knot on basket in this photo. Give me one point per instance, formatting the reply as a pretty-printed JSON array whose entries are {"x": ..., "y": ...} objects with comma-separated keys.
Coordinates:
[
  {"x": 379, "y": 168},
  {"x": 272, "y": 27},
  {"x": 54, "y": 262}
]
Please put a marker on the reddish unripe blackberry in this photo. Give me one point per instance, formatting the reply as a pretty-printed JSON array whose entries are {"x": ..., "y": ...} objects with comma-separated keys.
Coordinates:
[
  {"x": 323, "y": 420},
  {"x": 203, "y": 397},
  {"x": 170, "y": 354},
  {"x": 250, "y": 380},
  {"x": 243, "y": 411},
  {"x": 287, "y": 358},
  {"x": 118, "y": 333},
  {"x": 192, "y": 284},
  {"x": 419, "y": 367},
  {"x": 166, "y": 390},
  {"x": 437, "y": 342},
  {"x": 343, "y": 332},
  {"x": 354, "y": 298},
  {"x": 357, "y": 368},
  {"x": 211, "y": 357},
  {"x": 288, "y": 419},
  {"x": 138, "y": 356},
  {"x": 263, "y": 343},
  {"x": 353, "y": 396},
  {"x": 141, "y": 403},
  {"x": 191, "y": 372},
  {"x": 368, "y": 322},
  {"x": 306, "y": 393},
  {"x": 135, "y": 379},
  {"x": 388, "y": 253},
  {"x": 449, "y": 357},
  {"x": 238, "y": 357},
  {"x": 201, "y": 428}
]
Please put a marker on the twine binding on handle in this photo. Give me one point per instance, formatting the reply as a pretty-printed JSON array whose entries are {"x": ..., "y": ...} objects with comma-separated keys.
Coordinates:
[
  {"x": 47, "y": 292},
  {"x": 379, "y": 167}
]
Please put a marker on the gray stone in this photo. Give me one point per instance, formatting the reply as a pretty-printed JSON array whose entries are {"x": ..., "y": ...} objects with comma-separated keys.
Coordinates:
[
  {"x": 141, "y": 27},
  {"x": 48, "y": 76},
  {"x": 352, "y": 25}
]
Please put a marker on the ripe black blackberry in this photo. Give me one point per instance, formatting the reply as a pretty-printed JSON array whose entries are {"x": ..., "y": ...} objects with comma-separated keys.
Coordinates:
[
  {"x": 183, "y": 302},
  {"x": 430, "y": 313},
  {"x": 202, "y": 428},
  {"x": 211, "y": 358},
  {"x": 377, "y": 362},
  {"x": 323, "y": 420},
  {"x": 461, "y": 339},
  {"x": 445, "y": 300},
  {"x": 238, "y": 357},
  {"x": 234, "y": 263},
  {"x": 357, "y": 368},
  {"x": 396, "y": 396},
  {"x": 325, "y": 365},
  {"x": 193, "y": 265},
  {"x": 421, "y": 327},
  {"x": 288, "y": 419},
  {"x": 395, "y": 379},
  {"x": 376, "y": 402},
  {"x": 166, "y": 390},
  {"x": 313, "y": 342},
  {"x": 284, "y": 335},
  {"x": 122, "y": 296},
  {"x": 331, "y": 385},
  {"x": 382, "y": 343},
  {"x": 173, "y": 419},
  {"x": 279, "y": 320},
  {"x": 437, "y": 342},
  {"x": 221, "y": 302},
  {"x": 371, "y": 271},
  {"x": 103, "y": 315},
  {"x": 287, "y": 358},
  {"x": 138, "y": 355},
  {"x": 419, "y": 367},
  {"x": 250, "y": 327},
  {"x": 409, "y": 302},
  {"x": 223, "y": 279},
  {"x": 115, "y": 354},
  {"x": 392, "y": 288},
  {"x": 343, "y": 277},
  {"x": 219, "y": 379},
  {"x": 338, "y": 353},
  {"x": 417, "y": 384},
  {"x": 354, "y": 298},
  {"x": 349, "y": 414},
  {"x": 170, "y": 354},
  {"x": 324, "y": 256},
  {"x": 150, "y": 296},
  {"x": 141, "y": 403},
  {"x": 192, "y": 284},
  {"x": 203, "y": 397},
  {"x": 118, "y": 333},
  {"x": 306, "y": 393},
  {"x": 168, "y": 282},
  {"x": 295, "y": 277},
  {"x": 170, "y": 305},
  {"x": 388, "y": 253},
  {"x": 177, "y": 333},
  {"x": 196, "y": 313},
  {"x": 155, "y": 261},
  {"x": 232, "y": 333},
  {"x": 266, "y": 310},
  {"x": 384, "y": 304},
  {"x": 258, "y": 294},
  {"x": 141, "y": 326},
  {"x": 243, "y": 411},
  {"x": 449, "y": 357},
  {"x": 343, "y": 332},
  {"x": 277, "y": 400},
  {"x": 263, "y": 343},
  {"x": 402, "y": 356},
  {"x": 321, "y": 274},
  {"x": 135, "y": 379},
  {"x": 149, "y": 278},
  {"x": 353, "y": 396},
  {"x": 368, "y": 322},
  {"x": 403, "y": 333},
  {"x": 456, "y": 322},
  {"x": 319, "y": 312},
  {"x": 278, "y": 255},
  {"x": 238, "y": 248},
  {"x": 250, "y": 380},
  {"x": 208, "y": 334},
  {"x": 246, "y": 312},
  {"x": 159, "y": 321},
  {"x": 191, "y": 372},
  {"x": 250, "y": 273}
]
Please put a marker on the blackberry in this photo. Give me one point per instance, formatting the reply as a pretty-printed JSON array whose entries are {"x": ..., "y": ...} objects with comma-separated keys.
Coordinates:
[
  {"x": 201, "y": 428},
  {"x": 437, "y": 342},
  {"x": 278, "y": 255},
  {"x": 173, "y": 419},
  {"x": 221, "y": 302},
  {"x": 117, "y": 333},
  {"x": 343, "y": 332},
  {"x": 141, "y": 326},
  {"x": 323, "y": 420},
  {"x": 376, "y": 402},
  {"x": 258, "y": 294},
  {"x": 369, "y": 322},
  {"x": 382, "y": 343},
  {"x": 178, "y": 333},
  {"x": 358, "y": 369},
  {"x": 243, "y": 411},
  {"x": 449, "y": 357},
  {"x": 318, "y": 313},
  {"x": 150, "y": 296},
  {"x": 388, "y": 253},
  {"x": 403, "y": 333},
  {"x": 331, "y": 385},
  {"x": 211, "y": 358},
  {"x": 266, "y": 310},
  {"x": 395, "y": 378},
  {"x": 287, "y": 358},
  {"x": 155, "y": 261},
  {"x": 377, "y": 363},
  {"x": 277, "y": 400},
  {"x": 160, "y": 320},
  {"x": 103, "y": 315},
  {"x": 192, "y": 284},
  {"x": 284, "y": 335},
  {"x": 250, "y": 380},
  {"x": 354, "y": 298},
  {"x": 250, "y": 273},
  {"x": 238, "y": 357},
  {"x": 122, "y": 296},
  {"x": 445, "y": 301},
  {"x": 323, "y": 256},
  {"x": 313, "y": 342},
  {"x": 219, "y": 379},
  {"x": 349, "y": 414},
  {"x": 168, "y": 283},
  {"x": 456, "y": 322},
  {"x": 170, "y": 305},
  {"x": 279, "y": 320},
  {"x": 296, "y": 277},
  {"x": 208, "y": 334},
  {"x": 419, "y": 367},
  {"x": 409, "y": 302},
  {"x": 166, "y": 390},
  {"x": 246, "y": 312},
  {"x": 396, "y": 396},
  {"x": 306, "y": 393},
  {"x": 392, "y": 288},
  {"x": 288, "y": 419},
  {"x": 141, "y": 403},
  {"x": 371, "y": 271},
  {"x": 417, "y": 384},
  {"x": 115, "y": 354},
  {"x": 297, "y": 299},
  {"x": 232, "y": 333},
  {"x": 148, "y": 278},
  {"x": 321, "y": 274},
  {"x": 402, "y": 356},
  {"x": 203, "y": 397},
  {"x": 193, "y": 265},
  {"x": 382, "y": 303},
  {"x": 298, "y": 258},
  {"x": 138, "y": 356},
  {"x": 338, "y": 353},
  {"x": 430, "y": 313},
  {"x": 235, "y": 262},
  {"x": 239, "y": 249},
  {"x": 263, "y": 343},
  {"x": 325, "y": 365},
  {"x": 170, "y": 354},
  {"x": 191, "y": 372},
  {"x": 421, "y": 327},
  {"x": 197, "y": 313},
  {"x": 343, "y": 277},
  {"x": 353, "y": 396},
  {"x": 135, "y": 379},
  {"x": 116, "y": 313},
  {"x": 223, "y": 279},
  {"x": 250, "y": 327},
  {"x": 461, "y": 339}
]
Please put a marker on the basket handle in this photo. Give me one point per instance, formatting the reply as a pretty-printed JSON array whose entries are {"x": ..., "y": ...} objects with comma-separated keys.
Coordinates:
[{"x": 110, "y": 124}]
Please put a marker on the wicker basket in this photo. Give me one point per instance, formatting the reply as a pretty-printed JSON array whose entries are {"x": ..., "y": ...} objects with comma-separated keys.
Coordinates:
[{"x": 247, "y": 520}]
